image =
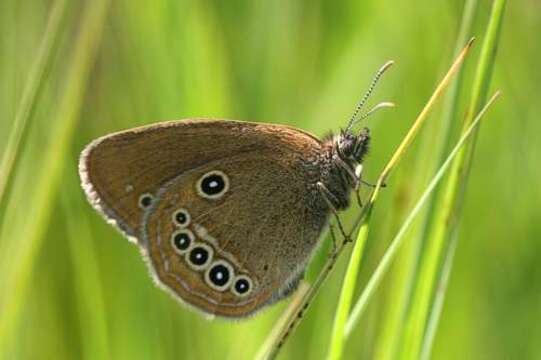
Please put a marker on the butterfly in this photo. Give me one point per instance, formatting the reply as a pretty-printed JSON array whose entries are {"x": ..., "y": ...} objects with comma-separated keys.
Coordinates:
[{"x": 227, "y": 213}]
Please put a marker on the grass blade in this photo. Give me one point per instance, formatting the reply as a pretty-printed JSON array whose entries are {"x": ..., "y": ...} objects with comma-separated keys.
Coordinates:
[
  {"x": 346, "y": 294},
  {"x": 438, "y": 142},
  {"x": 344, "y": 304},
  {"x": 439, "y": 298},
  {"x": 274, "y": 336},
  {"x": 17, "y": 276},
  {"x": 446, "y": 214},
  {"x": 397, "y": 241},
  {"x": 34, "y": 84},
  {"x": 85, "y": 267}
]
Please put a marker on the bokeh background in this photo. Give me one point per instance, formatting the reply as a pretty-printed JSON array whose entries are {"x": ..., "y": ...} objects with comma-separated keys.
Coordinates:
[{"x": 71, "y": 287}]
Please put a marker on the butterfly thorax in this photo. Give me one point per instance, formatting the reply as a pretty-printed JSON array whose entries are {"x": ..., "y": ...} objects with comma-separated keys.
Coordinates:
[{"x": 346, "y": 153}]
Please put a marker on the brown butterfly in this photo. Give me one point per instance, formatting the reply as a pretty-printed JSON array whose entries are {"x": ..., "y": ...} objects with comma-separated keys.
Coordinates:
[{"x": 227, "y": 213}]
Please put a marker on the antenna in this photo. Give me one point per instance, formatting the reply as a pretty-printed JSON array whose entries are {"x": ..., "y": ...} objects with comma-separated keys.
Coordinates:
[
  {"x": 361, "y": 103},
  {"x": 381, "y": 105}
]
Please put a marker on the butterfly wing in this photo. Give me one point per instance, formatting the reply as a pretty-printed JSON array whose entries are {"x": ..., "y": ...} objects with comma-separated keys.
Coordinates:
[
  {"x": 235, "y": 213},
  {"x": 118, "y": 170},
  {"x": 261, "y": 230}
]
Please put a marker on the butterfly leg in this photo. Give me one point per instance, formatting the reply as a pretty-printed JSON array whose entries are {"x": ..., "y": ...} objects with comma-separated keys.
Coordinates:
[
  {"x": 372, "y": 185},
  {"x": 330, "y": 199},
  {"x": 359, "y": 200},
  {"x": 333, "y": 237},
  {"x": 358, "y": 174}
]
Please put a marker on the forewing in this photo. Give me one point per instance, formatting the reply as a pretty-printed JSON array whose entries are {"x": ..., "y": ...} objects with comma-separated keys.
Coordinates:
[{"x": 116, "y": 170}]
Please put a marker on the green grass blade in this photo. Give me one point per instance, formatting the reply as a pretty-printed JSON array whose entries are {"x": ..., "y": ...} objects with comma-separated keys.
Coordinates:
[
  {"x": 346, "y": 295},
  {"x": 397, "y": 241},
  {"x": 266, "y": 348},
  {"x": 482, "y": 80},
  {"x": 17, "y": 276},
  {"x": 85, "y": 268},
  {"x": 344, "y": 304},
  {"x": 450, "y": 103},
  {"x": 445, "y": 217},
  {"x": 439, "y": 298},
  {"x": 434, "y": 148},
  {"x": 34, "y": 84}
]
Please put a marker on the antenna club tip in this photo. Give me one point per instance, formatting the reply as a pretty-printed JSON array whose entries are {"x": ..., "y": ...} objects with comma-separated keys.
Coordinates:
[
  {"x": 471, "y": 41},
  {"x": 387, "y": 65},
  {"x": 385, "y": 104}
]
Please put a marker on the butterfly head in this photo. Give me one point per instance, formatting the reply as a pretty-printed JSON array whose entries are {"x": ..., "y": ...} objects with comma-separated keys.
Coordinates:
[
  {"x": 349, "y": 148},
  {"x": 348, "y": 151},
  {"x": 352, "y": 148}
]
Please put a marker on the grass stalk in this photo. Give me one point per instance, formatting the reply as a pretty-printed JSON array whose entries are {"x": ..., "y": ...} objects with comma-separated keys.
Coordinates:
[
  {"x": 49, "y": 174},
  {"x": 34, "y": 85},
  {"x": 344, "y": 304},
  {"x": 87, "y": 282},
  {"x": 398, "y": 240},
  {"x": 447, "y": 213},
  {"x": 296, "y": 312},
  {"x": 301, "y": 292},
  {"x": 439, "y": 299},
  {"x": 405, "y": 268}
]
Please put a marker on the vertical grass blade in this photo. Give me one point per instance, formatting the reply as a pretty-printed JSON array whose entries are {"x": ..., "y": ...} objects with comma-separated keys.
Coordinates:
[
  {"x": 346, "y": 295},
  {"x": 47, "y": 179},
  {"x": 87, "y": 285},
  {"x": 405, "y": 266},
  {"x": 446, "y": 214},
  {"x": 34, "y": 83},
  {"x": 344, "y": 304},
  {"x": 439, "y": 298},
  {"x": 480, "y": 90}
]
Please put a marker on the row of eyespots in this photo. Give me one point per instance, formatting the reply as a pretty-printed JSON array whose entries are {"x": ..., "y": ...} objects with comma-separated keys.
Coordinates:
[{"x": 219, "y": 274}]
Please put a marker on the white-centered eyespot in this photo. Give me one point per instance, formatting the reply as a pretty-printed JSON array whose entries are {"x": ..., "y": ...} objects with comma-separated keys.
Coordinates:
[
  {"x": 182, "y": 240},
  {"x": 145, "y": 200},
  {"x": 220, "y": 275},
  {"x": 212, "y": 185},
  {"x": 242, "y": 285},
  {"x": 181, "y": 217},
  {"x": 200, "y": 256}
]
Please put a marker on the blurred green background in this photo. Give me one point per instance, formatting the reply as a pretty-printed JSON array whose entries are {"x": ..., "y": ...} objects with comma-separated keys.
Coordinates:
[{"x": 71, "y": 287}]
